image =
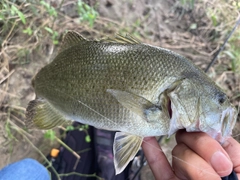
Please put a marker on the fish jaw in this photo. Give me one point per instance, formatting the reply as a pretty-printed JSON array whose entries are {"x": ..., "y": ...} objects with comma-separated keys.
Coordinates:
[
  {"x": 217, "y": 126},
  {"x": 227, "y": 123},
  {"x": 220, "y": 126}
]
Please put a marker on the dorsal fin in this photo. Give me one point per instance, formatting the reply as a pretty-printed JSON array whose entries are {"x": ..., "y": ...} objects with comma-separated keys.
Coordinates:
[
  {"x": 122, "y": 39},
  {"x": 71, "y": 38}
]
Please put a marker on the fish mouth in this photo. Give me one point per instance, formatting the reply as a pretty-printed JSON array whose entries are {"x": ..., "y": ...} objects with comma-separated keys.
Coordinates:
[
  {"x": 219, "y": 128},
  {"x": 228, "y": 120},
  {"x": 222, "y": 130},
  {"x": 169, "y": 108}
]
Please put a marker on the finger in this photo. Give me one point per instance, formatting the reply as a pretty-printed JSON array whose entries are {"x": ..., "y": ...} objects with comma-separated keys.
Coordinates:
[
  {"x": 188, "y": 165},
  {"x": 157, "y": 160},
  {"x": 209, "y": 149},
  {"x": 232, "y": 147}
]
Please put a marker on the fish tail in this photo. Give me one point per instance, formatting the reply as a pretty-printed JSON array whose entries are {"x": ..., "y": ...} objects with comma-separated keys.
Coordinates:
[{"x": 42, "y": 115}]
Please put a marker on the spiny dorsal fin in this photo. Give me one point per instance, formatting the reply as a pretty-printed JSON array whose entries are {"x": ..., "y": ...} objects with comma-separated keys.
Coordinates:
[
  {"x": 71, "y": 38},
  {"x": 122, "y": 39}
]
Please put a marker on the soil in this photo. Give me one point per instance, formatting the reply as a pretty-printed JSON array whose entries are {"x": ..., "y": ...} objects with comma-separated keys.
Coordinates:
[{"x": 157, "y": 22}]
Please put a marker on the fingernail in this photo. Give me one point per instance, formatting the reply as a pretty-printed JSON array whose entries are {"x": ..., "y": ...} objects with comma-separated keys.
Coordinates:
[
  {"x": 222, "y": 165},
  {"x": 225, "y": 144}
]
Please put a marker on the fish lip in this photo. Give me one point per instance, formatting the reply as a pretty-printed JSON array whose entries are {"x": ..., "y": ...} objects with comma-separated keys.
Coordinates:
[
  {"x": 224, "y": 123},
  {"x": 227, "y": 121}
]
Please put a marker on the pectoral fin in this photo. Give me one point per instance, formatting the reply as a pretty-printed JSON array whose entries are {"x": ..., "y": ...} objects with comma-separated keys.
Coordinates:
[
  {"x": 125, "y": 147},
  {"x": 41, "y": 114},
  {"x": 137, "y": 104}
]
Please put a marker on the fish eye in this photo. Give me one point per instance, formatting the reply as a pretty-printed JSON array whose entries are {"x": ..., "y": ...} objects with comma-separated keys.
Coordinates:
[{"x": 221, "y": 98}]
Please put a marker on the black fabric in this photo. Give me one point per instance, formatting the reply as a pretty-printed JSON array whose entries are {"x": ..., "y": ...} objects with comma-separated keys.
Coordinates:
[
  {"x": 96, "y": 156},
  {"x": 65, "y": 161},
  {"x": 232, "y": 176}
]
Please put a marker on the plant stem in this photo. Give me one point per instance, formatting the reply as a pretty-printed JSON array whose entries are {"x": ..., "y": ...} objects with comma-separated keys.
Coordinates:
[
  {"x": 72, "y": 151},
  {"x": 48, "y": 162},
  {"x": 83, "y": 175}
]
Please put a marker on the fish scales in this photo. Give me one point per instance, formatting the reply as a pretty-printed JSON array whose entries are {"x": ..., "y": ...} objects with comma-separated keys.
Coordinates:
[
  {"x": 86, "y": 78},
  {"x": 123, "y": 85}
]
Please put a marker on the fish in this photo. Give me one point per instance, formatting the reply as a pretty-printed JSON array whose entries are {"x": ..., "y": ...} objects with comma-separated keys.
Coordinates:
[{"x": 121, "y": 84}]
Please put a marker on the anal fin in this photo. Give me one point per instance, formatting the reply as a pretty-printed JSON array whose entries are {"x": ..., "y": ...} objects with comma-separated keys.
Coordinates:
[
  {"x": 42, "y": 115},
  {"x": 125, "y": 147}
]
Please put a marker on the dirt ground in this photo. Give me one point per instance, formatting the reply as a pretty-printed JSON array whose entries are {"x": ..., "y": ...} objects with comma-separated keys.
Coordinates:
[{"x": 158, "y": 22}]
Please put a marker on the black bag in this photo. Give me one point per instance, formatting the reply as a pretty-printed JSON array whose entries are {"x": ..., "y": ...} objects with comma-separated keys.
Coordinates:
[{"x": 96, "y": 156}]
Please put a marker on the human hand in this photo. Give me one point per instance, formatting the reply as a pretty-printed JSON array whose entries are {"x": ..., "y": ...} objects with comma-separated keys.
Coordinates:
[{"x": 194, "y": 157}]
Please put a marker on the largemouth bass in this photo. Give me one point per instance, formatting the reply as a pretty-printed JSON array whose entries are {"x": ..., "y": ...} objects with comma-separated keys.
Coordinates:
[{"x": 124, "y": 85}]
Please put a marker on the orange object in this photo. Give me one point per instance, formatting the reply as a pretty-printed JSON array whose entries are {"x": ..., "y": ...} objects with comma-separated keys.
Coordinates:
[{"x": 54, "y": 152}]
